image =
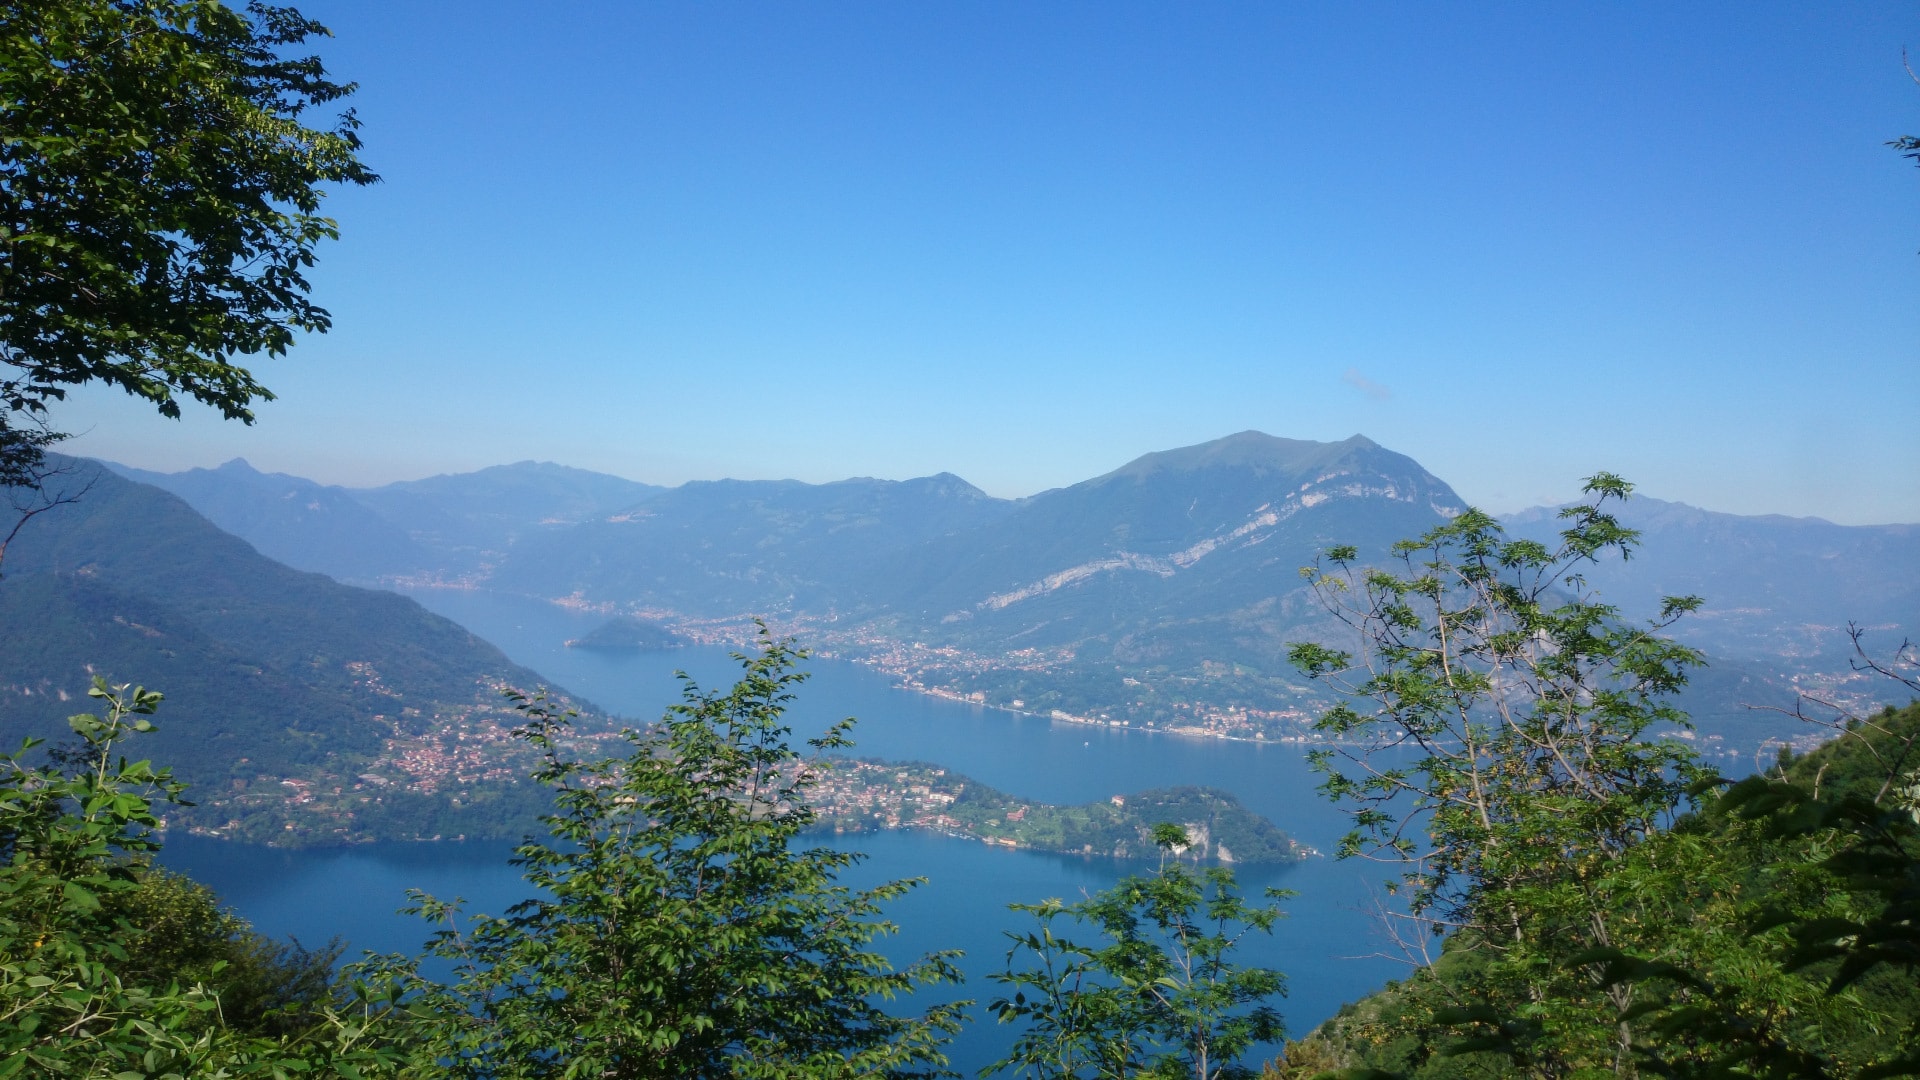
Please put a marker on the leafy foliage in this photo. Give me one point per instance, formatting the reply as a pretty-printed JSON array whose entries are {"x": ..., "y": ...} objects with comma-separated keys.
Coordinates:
[
  {"x": 1833, "y": 919},
  {"x": 1596, "y": 924},
  {"x": 1771, "y": 934},
  {"x": 159, "y": 202},
  {"x": 182, "y": 935},
  {"x": 678, "y": 930},
  {"x": 1159, "y": 996},
  {"x": 108, "y": 969},
  {"x": 1500, "y": 754},
  {"x": 1503, "y": 713}
]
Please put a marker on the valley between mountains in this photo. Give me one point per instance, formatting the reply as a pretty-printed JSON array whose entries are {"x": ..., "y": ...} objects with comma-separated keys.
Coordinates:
[{"x": 1160, "y": 596}]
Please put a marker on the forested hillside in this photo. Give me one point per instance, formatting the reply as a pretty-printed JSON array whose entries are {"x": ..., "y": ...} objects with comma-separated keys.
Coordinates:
[
  {"x": 271, "y": 674},
  {"x": 1771, "y": 870}
]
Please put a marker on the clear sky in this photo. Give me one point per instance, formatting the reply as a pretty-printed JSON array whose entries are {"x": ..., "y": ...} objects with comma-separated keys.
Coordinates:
[{"x": 1026, "y": 243}]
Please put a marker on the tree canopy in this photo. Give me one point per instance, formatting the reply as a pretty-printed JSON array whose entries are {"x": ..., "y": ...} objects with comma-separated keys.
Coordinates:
[
  {"x": 680, "y": 929},
  {"x": 1609, "y": 904},
  {"x": 160, "y": 189}
]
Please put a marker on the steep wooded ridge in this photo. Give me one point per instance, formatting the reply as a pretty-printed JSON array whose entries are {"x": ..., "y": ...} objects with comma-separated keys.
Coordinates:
[
  {"x": 1402, "y": 1031},
  {"x": 1160, "y": 594},
  {"x": 271, "y": 674}
]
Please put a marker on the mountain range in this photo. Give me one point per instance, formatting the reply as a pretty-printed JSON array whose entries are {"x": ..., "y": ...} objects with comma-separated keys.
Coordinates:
[
  {"x": 1166, "y": 589},
  {"x": 1163, "y": 594},
  {"x": 445, "y": 526},
  {"x": 1775, "y": 587}
]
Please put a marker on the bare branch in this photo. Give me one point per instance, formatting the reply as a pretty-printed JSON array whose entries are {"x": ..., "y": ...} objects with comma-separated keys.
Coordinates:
[
  {"x": 1903, "y": 668},
  {"x": 48, "y": 489}
]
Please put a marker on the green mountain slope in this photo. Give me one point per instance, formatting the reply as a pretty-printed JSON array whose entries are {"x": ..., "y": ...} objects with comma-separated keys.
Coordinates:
[
  {"x": 272, "y": 674},
  {"x": 1172, "y": 548},
  {"x": 227, "y": 714}
]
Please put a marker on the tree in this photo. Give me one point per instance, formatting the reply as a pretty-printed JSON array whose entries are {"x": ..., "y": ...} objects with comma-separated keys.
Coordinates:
[
  {"x": 679, "y": 930},
  {"x": 159, "y": 203},
  {"x": 1607, "y": 908},
  {"x": 1160, "y": 996},
  {"x": 1499, "y": 745},
  {"x": 179, "y": 934},
  {"x": 89, "y": 987},
  {"x": 1833, "y": 843}
]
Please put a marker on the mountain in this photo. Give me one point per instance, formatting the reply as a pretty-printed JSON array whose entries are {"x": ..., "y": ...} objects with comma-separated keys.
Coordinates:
[
  {"x": 271, "y": 674},
  {"x": 1774, "y": 586},
  {"x": 1174, "y": 556},
  {"x": 1163, "y": 593},
  {"x": 729, "y": 546},
  {"x": 294, "y": 521},
  {"x": 471, "y": 519},
  {"x": 446, "y": 526},
  {"x": 1170, "y": 583},
  {"x": 1166, "y": 592}
]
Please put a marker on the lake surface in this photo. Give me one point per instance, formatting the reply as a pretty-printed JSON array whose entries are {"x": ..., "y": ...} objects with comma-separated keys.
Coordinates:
[{"x": 1324, "y": 946}]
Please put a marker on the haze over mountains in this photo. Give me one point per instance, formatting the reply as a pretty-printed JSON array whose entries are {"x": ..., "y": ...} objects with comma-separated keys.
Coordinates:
[
  {"x": 729, "y": 546},
  {"x": 1202, "y": 541},
  {"x": 1169, "y": 583}
]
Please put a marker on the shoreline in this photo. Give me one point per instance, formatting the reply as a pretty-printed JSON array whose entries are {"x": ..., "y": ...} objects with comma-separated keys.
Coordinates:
[
  {"x": 715, "y": 632},
  {"x": 1305, "y": 851}
]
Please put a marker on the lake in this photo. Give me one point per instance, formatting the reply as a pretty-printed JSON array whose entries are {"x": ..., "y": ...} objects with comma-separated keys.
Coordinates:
[{"x": 1326, "y": 945}]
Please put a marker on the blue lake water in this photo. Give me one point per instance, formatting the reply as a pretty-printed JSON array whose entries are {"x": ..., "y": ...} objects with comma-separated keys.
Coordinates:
[{"x": 1326, "y": 945}]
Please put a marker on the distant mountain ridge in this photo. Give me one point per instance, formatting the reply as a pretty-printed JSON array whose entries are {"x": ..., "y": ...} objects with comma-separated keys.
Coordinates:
[
  {"x": 294, "y": 520},
  {"x": 1167, "y": 587},
  {"x": 1209, "y": 534},
  {"x": 448, "y": 525},
  {"x": 1171, "y": 527},
  {"x": 473, "y": 518},
  {"x": 1773, "y": 585},
  {"x": 1162, "y": 594},
  {"x": 726, "y": 546}
]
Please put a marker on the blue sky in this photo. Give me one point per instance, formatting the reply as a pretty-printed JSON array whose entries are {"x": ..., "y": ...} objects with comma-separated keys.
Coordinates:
[{"x": 1028, "y": 242}]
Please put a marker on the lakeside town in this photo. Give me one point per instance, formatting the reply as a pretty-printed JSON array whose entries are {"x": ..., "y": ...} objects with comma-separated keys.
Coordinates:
[{"x": 1009, "y": 681}]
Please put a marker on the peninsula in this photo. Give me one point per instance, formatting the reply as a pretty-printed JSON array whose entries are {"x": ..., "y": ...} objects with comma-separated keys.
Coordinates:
[{"x": 854, "y": 796}]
